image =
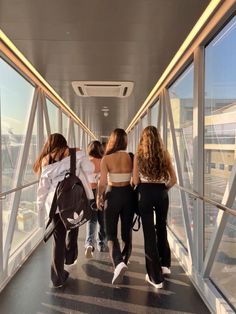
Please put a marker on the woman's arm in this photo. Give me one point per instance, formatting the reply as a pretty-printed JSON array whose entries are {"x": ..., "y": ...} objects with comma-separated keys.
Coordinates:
[
  {"x": 102, "y": 183},
  {"x": 173, "y": 178},
  {"x": 86, "y": 175},
  {"x": 42, "y": 193},
  {"x": 136, "y": 179}
]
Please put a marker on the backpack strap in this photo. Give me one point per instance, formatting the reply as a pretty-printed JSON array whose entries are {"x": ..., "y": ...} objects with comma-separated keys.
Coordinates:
[{"x": 72, "y": 160}]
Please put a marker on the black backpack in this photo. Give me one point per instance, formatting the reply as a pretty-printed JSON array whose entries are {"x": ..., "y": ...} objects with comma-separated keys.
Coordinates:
[{"x": 71, "y": 200}]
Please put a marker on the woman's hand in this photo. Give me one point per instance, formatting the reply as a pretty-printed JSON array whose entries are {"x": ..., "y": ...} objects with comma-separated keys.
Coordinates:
[{"x": 100, "y": 202}]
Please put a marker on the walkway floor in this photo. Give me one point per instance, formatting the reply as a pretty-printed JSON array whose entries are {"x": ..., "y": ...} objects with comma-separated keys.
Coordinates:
[{"x": 89, "y": 289}]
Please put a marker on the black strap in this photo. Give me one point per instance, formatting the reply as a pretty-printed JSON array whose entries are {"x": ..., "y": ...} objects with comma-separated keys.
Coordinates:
[
  {"x": 49, "y": 232},
  {"x": 137, "y": 219},
  {"x": 72, "y": 160}
]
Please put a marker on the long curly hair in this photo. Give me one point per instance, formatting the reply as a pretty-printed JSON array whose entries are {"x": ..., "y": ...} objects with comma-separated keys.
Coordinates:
[{"x": 153, "y": 158}]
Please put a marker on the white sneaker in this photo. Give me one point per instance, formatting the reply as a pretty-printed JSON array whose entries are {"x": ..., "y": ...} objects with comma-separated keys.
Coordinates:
[
  {"x": 156, "y": 285},
  {"x": 165, "y": 270},
  {"x": 89, "y": 252},
  {"x": 119, "y": 273},
  {"x": 69, "y": 266}
]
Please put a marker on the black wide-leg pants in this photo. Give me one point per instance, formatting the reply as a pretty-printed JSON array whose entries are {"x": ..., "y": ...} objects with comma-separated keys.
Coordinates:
[
  {"x": 154, "y": 203},
  {"x": 64, "y": 250}
]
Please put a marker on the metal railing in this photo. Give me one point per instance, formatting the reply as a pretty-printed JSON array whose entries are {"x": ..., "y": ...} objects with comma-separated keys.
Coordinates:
[
  {"x": 208, "y": 200},
  {"x": 4, "y": 194}
]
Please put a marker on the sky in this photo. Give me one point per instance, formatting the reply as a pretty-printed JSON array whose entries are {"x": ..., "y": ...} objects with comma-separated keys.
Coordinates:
[{"x": 220, "y": 68}]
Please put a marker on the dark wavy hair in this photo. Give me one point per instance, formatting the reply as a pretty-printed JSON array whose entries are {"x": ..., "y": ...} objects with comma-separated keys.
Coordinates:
[
  {"x": 56, "y": 143},
  {"x": 95, "y": 149},
  {"x": 153, "y": 158},
  {"x": 117, "y": 141}
]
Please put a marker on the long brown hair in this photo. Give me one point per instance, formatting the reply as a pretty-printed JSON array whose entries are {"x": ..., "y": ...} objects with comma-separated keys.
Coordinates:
[
  {"x": 56, "y": 144},
  {"x": 153, "y": 158},
  {"x": 95, "y": 149},
  {"x": 117, "y": 141}
]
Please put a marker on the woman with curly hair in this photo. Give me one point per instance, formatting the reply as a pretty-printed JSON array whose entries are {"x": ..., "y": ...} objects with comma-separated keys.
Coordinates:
[{"x": 154, "y": 174}]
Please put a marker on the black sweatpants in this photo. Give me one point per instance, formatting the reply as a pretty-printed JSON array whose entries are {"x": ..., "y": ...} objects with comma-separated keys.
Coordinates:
[
  {"x": 65, "y": 250},
  {"x": 119, "y": 202},
  {"x": 154, "y": 200}
]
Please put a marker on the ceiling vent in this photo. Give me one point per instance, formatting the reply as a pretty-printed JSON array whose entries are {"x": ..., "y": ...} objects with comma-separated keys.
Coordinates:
[{"x": 103, "y": 88}]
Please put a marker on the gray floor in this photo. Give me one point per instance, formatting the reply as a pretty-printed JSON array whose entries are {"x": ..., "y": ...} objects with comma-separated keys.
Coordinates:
[{"x": 89, "y": 289}]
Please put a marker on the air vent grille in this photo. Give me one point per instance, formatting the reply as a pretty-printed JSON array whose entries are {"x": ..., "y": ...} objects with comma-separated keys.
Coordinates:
[{"x": 102, "y": 88}]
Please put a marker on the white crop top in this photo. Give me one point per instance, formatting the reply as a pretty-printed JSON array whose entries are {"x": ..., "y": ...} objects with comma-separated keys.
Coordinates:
[{"x": 119, "y": 177}]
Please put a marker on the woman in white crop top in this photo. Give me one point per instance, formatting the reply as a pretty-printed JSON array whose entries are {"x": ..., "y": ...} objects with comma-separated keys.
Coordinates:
[
  {"x": 154, "y": 174},
  {"x": 51, "y": 165},
  {"x": 116, "y": 196}
]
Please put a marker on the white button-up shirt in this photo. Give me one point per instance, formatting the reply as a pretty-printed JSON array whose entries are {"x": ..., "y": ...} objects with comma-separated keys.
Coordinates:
[{"x": 53, "y": 173}]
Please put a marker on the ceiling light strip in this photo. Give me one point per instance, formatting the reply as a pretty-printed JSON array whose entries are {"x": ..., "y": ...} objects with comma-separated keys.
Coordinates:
[
  {"x": 197, "y": 27},
  {"x": 23, "y": 59}
]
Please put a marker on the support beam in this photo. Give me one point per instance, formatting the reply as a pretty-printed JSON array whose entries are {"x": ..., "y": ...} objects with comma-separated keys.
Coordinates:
[
  {"x": 15, "y": 199},
  {"x": 185, "y": 205},
  {"x": 198, "y": 157},
  {"x": 46, "y": 116}
]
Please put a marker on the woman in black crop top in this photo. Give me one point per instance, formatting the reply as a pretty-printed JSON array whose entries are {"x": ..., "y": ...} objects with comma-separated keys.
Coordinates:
[{"x": 154, "y": 174}]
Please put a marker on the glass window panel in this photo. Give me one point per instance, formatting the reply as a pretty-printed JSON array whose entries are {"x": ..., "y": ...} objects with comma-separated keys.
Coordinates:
[
  {"x": 211, "y": 213},
  {"x": 131, "y": 141},
  {"x": 72, "y": 134},
  {"x": 26, "y": 220},
  {"x": 27, "y": 217},
  {"x": 16, "y": 99},
  {"x": 82, "y": 139},
  {"x": 181, "y": 98},
  {"x": 136, "y": 134},
  {"x": 53, "y": 116},
  {"x": 65, "y": 125},
  {"x": 6, "y": 213},
  {"x": 140, "y": 129},
  {"x": 154, "y": 114},
  {"x": 144, "y": 121},
  {"x": 77, "y": 142},
  {"x": 220, "y": 110},
  {"x": 29, "y": 175},
  {"x": 175, "y": 217},
  {"x": 134, "y": 141},
  {"x": 45, "y": 131},
  {"x": 224, "y": 268}
]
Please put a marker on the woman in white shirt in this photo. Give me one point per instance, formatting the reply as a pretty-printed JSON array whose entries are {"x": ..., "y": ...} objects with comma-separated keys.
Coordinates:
[
  {"x": 95, "y": 152},
  {"x": 154, "y": 174},
  {"x": 117, "y": 197},
  {"x": 51, "y": 165}
]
